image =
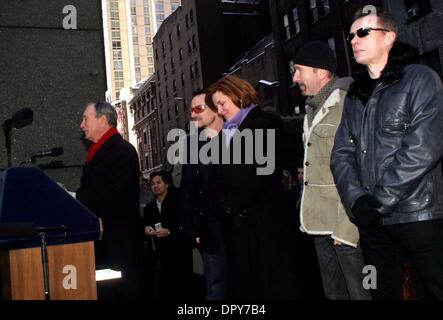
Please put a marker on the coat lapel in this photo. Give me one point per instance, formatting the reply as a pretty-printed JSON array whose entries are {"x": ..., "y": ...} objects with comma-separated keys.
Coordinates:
[
  {"x": 330, "y": 102},
  {"x": 101, "y": 153}
]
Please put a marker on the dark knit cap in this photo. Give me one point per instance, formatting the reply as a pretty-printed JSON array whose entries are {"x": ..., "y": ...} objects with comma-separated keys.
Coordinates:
[{"x": 317, "y": 54}]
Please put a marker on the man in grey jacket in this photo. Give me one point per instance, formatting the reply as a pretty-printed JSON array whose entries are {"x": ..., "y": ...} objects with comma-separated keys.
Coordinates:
[
  {"x": 321, "y": 211},
  {"x": 386, "y": 158}
]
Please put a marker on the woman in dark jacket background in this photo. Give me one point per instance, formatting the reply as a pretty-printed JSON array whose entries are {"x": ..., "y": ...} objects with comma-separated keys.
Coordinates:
[
  {"x": 169, "y": 255},
  {"x": 257, "y": 229}
]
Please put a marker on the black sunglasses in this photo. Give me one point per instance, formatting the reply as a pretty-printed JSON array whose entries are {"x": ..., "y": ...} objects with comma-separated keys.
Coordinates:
[{"x": 363, "y": 32}]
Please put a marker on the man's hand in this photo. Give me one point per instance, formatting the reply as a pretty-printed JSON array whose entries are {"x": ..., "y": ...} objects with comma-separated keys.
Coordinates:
[
  {"x": 149, "y": 231},
  {"x": 162, "y": 233},
  {"x": 365, "y": 211}
]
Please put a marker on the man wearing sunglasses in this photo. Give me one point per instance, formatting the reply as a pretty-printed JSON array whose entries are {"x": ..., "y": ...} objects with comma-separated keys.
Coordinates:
[
  {"x": 199, "y": 219},
  {"x": 321, "y": 211},
  {"x": 386, "y": 158}
]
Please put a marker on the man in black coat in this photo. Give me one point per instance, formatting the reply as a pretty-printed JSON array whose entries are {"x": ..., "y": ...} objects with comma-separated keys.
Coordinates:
[
  {"x": 386, "y": 158},
  {"x": 109, "y": 187},
  {"x": 200, "y": 222}
]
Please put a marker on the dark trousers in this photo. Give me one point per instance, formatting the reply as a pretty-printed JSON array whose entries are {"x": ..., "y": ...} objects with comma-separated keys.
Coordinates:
[
  {"x": 341, "y": 268},
  {"x": 386, "y": 248},
  {"x": 215, "y": 273}
]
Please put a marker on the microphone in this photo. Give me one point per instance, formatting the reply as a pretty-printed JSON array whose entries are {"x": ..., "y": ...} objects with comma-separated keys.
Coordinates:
[
  {"x": 22, "y": 118},
  {"x": 53, "y": 152},
  {"x": 26, "y": 229}
]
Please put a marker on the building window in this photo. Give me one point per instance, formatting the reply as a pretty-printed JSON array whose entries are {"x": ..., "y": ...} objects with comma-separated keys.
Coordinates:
[
  {"x": 118, "y": 85},
  {"x": 286, "y": 26},
  {"x": 176, "y": 109},
  {"x": 174, "y": 85},
  {"x": 117, "y": 54},
  {"x": 116, "y": 45},
  {"x": 115, "y": 25},
  {"x": 164, "y": 69},
  {"x": 183, "y": 79},
  {"x": 313, "y": 11},
  {"x": 416, "y": 9},
  {"x": 196, "y": 68},
  {"x": 167, "y": 92},
  {"x": 172, "y": 63},
  {"x": 145, "y": 138},
  {"x": 159, "y": 7},
  {"x": 194, "y": 42},
  {"x": 118, "y": 65},
  {"x": 160, "y": 18},
  {"x": 325, "y": 7},
  {"x": 114, "y": 5},
  {"x": 169, "y": 115},
  {"x": 161, "y": 119},
  {"x": 189, "y": 46},
  {"x": 331, "y": 42},
  {"x": 178, "y": 30},
  {"x": 170, "y": 41},
  {"x": 187, "y": 21},
  {"x": 114, "y": 15},
  {"x": 296, "y": 19},
  {"x": 174, "y": 6},
  {"x": 191, "y": 16},
  {"x": 180, "y": 54},
  {"x": 118, "y": 75},
  {"x": 291, "y": 71},
  {"x": 138, "y": 75},
  {"x": 158, "y": 76},
  {"x": 192, "y": 71},
  {"x": 163, "y": 47}
]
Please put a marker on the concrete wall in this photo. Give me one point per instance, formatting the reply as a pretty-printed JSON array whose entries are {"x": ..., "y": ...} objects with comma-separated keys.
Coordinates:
[{"x": 54, "y": 72}]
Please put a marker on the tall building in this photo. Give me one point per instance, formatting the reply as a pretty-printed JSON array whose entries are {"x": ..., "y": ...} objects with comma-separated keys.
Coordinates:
[
  {"x": 129, "y": 27},
  {"x": 420, "y": 24},
  {"x": 193, "y": 48}
]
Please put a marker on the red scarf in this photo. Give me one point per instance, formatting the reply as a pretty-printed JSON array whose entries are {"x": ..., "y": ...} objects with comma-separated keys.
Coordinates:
[{"x": 96, "y": 146}]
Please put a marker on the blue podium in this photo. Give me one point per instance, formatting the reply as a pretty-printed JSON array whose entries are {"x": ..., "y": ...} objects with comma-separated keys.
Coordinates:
[{"x": 57, "y": 255}]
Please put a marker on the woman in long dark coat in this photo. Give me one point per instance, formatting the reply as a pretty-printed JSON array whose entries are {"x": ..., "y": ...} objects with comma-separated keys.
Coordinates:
[
  {"x": 257, "y": 228},
  {"x": 162, "y": 223}
]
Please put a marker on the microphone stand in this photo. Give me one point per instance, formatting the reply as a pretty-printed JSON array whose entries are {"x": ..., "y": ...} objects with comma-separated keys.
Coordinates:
[
  {"x": 41, "y": 232},
  {"x": 44, "y": 252}
]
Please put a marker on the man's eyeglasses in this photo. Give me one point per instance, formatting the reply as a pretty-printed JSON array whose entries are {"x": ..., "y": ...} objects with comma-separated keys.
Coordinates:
[
  {"x": 363, "y": 32},
  {"x": 199, "y": 109}
]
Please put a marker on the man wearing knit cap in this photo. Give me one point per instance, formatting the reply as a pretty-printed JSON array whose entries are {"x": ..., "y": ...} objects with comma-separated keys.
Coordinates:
[{"x": 321, "y": 212}]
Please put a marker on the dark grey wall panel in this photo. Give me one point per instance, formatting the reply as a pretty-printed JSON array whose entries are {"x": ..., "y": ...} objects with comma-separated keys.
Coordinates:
[{"x": 54, "y": 72}]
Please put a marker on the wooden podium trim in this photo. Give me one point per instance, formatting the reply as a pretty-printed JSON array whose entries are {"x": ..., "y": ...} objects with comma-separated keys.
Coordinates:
[{"x": 26, "y": 275}]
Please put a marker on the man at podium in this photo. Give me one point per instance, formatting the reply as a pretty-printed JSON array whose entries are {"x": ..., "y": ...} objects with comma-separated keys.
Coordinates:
[{"x": 109, "y": 187}]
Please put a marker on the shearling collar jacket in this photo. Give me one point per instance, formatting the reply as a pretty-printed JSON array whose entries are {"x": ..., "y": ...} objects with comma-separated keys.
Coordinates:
[{"x": 321, "y": 210}]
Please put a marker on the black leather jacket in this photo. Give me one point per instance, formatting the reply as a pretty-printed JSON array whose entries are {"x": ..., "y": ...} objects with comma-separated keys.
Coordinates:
[{"x": 391, "y": 147}]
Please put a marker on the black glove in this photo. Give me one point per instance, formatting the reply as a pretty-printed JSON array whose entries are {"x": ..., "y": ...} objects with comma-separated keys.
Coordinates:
[
  {"x": 239, "y": 218},
  {"x": 365, "y": 211},
  {"x": 242, "y": 219}
]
